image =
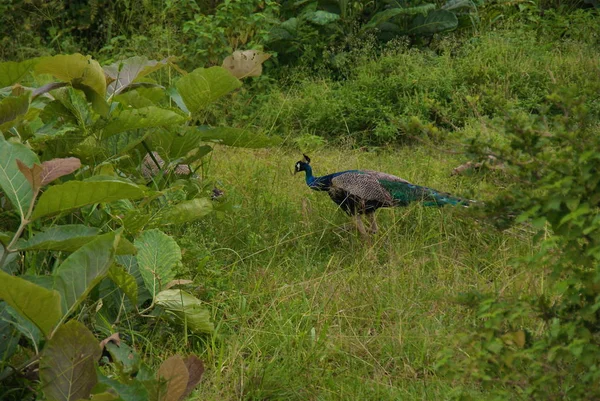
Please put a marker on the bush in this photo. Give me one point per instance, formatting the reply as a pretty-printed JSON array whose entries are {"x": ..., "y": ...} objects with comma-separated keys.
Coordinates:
[
  {"x": 81, "y": 242},
  {"x": 544, "y": 346}
]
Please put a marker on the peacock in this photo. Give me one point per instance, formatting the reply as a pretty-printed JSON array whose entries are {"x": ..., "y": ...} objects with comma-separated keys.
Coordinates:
[{"x": 360, "y": 192}]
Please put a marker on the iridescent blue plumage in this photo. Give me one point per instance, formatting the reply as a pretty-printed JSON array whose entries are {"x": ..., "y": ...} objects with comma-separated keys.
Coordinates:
[{"x": 324, "y": 182}]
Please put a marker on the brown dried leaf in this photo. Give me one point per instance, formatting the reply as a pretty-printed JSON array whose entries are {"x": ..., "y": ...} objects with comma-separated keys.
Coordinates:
[
  {"x": 246, "y": 63},
  {"x": 175, "y": 373},
  {"x": 492, "y": 163},
  {"x": 33, "y": 174},
  {"x": 56, "y": 168},
  {"x": 195, "y": 369},
  {"x": 112, "y": 338}
]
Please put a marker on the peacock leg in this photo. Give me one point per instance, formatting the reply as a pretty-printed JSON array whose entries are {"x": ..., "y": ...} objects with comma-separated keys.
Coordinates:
[
  {"x": 360, "y": 226},
  {"x": 372, "y": 223}
]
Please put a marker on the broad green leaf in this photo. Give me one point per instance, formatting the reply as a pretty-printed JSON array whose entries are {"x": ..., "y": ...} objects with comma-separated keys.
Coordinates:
[
  {"x": 133, "y": 390},
  {"x": 25, "y": 326},
  {"x": 126, "y": 71},
  {"x": 69, "y": 238},
  {"x": 205, "y": 85},
  {"x": 83, "y": 269},
  {"x": 9, "y": 262},
  {"x": 75, "y": 103},
  {"x": 239, "y": 137},
  {"x": 97, "y": 100},
  {"x": 12, "y": 107},
  {"x": 134, "y": 99},
  {"x": 121, "y": 144},
  {"x": 129, "y": 263},
  {"x": 77, "y": 69},
  {"x": 12, "y": 72},
  {"x": 187, "y": 309},
  {"x": 173, "y": 145},
  {"x": 176, "y": 97},
  {"x": 123, "y": 355},
  {"x": 175, "y": 374},
  {"x": 75, "y": 194},
  {"x": 125, "y": 247},
  {"x": 453, "y": 5},
  {"x": 125, "y": 281},
  {"x": 45, "y": 281},
  {"x": 386, "y": 15},
  {"x": 158, "y": 255},
  {"x": 35, "y": 303},
  {"x": 6, "y": 237},
  {"x": 135, "y": 221},
  {"x": 321, "y": 17},
  {"x": 9, "y": 335},
  {"x": 435, "y": 22},
  {"x": 13, "y": 183},
  {"x": 285, "y": 31},
  {"x": 186, "y": 211},
  {"x": 156, "y": 95},
  {"x": 66, "y": 238},
  {"x": 105, "y": 396},
  {"x": 48, "y": 137},
  {"x": 68, "y": 363},
  {"x": 279, "y": 34},
  {"x": 141, "y": 85},
  {"x": 57, "y": 111},
  {"x": 147, "y": 117}
]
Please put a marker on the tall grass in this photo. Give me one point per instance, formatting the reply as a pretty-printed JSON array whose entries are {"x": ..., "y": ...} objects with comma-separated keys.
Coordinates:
[
  {"x": 307, "y": 310},
  {"x": 399, "y": 93}
]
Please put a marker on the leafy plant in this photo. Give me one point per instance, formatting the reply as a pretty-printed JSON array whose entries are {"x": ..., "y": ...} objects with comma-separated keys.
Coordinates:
[
  {"x": 315, "y": 25},
  {"x": 84, "y": 228},
  {"x": 234, "y": 25},
  {"x": 544, "y": 346}
]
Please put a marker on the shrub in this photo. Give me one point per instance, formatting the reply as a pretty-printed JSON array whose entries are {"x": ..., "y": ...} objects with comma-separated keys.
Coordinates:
[
  {"x": 83, "y": 244},
  {"x": 544, "y": 346}
]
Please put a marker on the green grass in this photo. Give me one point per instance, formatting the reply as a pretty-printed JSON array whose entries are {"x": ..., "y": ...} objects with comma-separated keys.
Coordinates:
[
  {"x": 305, "y": 310},
  {"x": 401, "y": 94}
]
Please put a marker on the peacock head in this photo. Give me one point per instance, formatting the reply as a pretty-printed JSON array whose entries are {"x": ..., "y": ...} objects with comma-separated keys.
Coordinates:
[{"x": 302, "y": 165}]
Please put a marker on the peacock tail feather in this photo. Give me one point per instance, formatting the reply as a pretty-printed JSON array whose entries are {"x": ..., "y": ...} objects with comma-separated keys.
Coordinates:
[{"x": 404, "y": 193}]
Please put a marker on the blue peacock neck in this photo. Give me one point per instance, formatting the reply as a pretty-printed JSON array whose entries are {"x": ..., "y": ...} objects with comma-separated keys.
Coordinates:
[
  {"x": 310, "y": 178},
  {"x": 317, "y": 183}
]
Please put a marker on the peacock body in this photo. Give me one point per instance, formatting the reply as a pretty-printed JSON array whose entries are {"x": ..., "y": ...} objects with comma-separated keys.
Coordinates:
[{"x": 359, "y": 192}]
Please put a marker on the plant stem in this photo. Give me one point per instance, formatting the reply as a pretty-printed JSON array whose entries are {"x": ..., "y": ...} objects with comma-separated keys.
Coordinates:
[
  {"x": 24, "y": 221},
  {"x": 151, "y": 155}
]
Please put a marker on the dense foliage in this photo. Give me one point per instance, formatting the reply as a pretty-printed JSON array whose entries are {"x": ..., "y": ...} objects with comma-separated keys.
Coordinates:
[
  {"x": 75, "y": 155},
  {"x": 544, "y": 346}
]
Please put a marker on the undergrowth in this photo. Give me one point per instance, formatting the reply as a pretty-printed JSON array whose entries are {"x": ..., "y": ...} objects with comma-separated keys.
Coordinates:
[{"x": 306, "y": 310}]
